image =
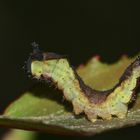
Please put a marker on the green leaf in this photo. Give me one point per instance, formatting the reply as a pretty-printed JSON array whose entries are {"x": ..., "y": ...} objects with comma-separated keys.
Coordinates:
[{"x": 42, "y": 108}]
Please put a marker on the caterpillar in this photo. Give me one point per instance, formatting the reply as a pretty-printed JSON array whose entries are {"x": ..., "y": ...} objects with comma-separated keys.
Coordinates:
[{"x": 95, "y": 104}]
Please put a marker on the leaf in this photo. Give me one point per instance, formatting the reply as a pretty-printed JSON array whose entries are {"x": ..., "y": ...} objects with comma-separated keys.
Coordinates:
[
  {"x": 98, "y": 72},
  {"x": 41, "y": 108}
]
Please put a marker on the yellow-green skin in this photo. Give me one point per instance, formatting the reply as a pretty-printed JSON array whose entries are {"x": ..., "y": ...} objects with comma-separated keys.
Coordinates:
[{"x": 60, "y": 71}]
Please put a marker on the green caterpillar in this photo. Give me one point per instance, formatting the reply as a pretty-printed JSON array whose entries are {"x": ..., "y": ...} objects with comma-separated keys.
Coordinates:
[{"x": 104, "y": 104}]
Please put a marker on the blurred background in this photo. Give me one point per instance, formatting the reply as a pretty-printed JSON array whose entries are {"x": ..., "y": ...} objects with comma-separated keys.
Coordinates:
[{"x": 79, "y": 29}]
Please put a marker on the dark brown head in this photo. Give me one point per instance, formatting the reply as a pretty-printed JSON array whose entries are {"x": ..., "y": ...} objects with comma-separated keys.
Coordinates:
[{"x": 38, "y": 55}]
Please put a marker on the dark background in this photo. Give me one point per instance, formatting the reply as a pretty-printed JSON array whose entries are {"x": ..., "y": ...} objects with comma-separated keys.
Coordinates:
[{"x": 80, "y": 29}]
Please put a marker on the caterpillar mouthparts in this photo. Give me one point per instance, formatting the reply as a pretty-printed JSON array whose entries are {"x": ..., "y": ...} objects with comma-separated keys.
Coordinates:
[{"x": 104, "y": 104}]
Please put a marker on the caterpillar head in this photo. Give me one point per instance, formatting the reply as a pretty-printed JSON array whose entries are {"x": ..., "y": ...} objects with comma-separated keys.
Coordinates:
[
  {"x": 40, "y": 64},
  {"x": 35, "y": 56}
]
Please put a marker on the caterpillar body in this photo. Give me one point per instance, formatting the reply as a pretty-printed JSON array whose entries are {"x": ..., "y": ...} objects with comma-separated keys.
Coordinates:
[{"x": 104, "y": 104}]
